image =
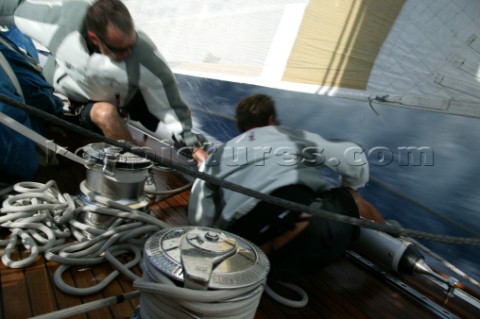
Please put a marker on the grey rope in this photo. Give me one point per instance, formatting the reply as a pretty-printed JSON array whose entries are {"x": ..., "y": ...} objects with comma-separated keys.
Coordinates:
[
  {"x": 162, "y": 298},
  {"x": 293, "y": 303},
  {"x": 376, "y": 98},
  {"x": 41, "y": 218},
  {"x": 473, "y": 241},
  {"x": 29, "y": 214},
  {"x": 86, "y": 307}
]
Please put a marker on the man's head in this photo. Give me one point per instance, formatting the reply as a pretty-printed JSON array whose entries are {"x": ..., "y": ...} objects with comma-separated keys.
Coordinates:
[
  {"x": 110, "y": 27},
  {"x": 255, "y": 111}
]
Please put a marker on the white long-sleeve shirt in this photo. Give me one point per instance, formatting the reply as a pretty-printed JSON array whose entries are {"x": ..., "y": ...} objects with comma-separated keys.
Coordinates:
[
  {"x": 80, "y": 75},
  {"x": 265, "y": 159}
]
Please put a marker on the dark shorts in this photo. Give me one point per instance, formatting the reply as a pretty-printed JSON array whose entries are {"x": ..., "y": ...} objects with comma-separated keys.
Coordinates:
[
  {"x": 82, "y": 110},
  {"x": 136, "y": 108},
  {"x": 318, "y": 245}
]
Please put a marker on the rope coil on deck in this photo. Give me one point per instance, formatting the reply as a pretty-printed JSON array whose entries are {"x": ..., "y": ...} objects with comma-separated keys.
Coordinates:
[
  {"x": 58, "y": 211},
  {"x": 30, "y": 217},
  {"x": 43, "y": 219},
  {"x": 39, "y": 207}
]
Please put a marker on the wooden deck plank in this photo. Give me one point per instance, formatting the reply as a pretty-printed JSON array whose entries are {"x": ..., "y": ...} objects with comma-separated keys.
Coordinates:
[
  {"x": 123, "y": 310},
  {"x": 65, "y": 300},
  {"x": 15, "y": 301},
  {"x": 84, "y": 277},
  {"x": 367, "y": 292},
  {"x": 40, "y": 291},
  {"x": 361, "y": 292},
  {"x": 434, "y": 292},
  {"x": 127, "y": 285},
  {"x": 328, "y": 304},
  {"x": 271, "y": 308}
]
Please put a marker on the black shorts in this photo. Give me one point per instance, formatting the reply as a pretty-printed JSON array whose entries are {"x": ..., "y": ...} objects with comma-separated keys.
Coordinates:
[
  {"x": 136, "y": 108},
  {"x": 321, "y": 243}
]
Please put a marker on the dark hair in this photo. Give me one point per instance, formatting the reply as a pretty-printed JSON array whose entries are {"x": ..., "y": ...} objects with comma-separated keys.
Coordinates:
[
  {"x": 103, "y": 12},
  {"x": 255, "y": 111}
]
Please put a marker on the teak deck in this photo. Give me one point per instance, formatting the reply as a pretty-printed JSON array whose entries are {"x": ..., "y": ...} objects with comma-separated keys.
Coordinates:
[{"x": 342, "y": 290}]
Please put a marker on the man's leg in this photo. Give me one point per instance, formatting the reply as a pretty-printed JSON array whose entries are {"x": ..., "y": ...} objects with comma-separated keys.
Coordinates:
[
  {"x": 106, "y": 117},
  {"x": 321, "y": 242},
  {"x": 365, "y": 209}
]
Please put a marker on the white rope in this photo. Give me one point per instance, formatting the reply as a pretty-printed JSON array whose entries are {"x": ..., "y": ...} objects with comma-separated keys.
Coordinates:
[
  {"x": 122, "y": 237},
  {"x": 41, "y": 218},
  {"x": 161, "y": 298},
  {"x": 28, "y": 215},
  {"x": 293, "y": 303}
]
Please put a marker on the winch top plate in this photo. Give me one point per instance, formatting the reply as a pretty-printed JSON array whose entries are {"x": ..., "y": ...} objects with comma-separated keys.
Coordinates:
[
  {"x": 95, "y": 153},
  {"x": 247, "y": 266}
]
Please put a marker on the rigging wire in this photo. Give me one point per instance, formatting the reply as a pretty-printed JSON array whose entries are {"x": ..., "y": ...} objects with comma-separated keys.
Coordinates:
[
  {"x": 426, "y": 208},
  {"x": 445, "y": 263},
  {"x": 474, "y": 241},
  {"x": 110, "y": 253},
  {"x": 377, "y": 98}
]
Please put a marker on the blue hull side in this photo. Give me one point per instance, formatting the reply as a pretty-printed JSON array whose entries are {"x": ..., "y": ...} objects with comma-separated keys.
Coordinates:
[{"x": 434, "y": 189}]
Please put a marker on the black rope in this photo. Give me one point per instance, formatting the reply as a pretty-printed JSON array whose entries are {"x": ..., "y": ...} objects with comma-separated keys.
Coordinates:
[{"x": 472, "y": 241}]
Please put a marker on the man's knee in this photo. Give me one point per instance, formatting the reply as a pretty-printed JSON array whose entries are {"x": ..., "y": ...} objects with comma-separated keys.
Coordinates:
[
  {"x": 103, "y": 113},
  {"x": 365, "y": 208}
]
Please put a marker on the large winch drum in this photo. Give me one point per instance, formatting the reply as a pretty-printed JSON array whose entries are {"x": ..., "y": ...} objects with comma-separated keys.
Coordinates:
[
  {"x": 113, "y": 173},
  {"x": 205, "y": 258}
]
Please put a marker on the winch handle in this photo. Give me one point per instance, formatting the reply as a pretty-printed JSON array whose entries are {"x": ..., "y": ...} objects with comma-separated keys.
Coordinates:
[
  {"x": 201, "y": 251},
  {"x": 112, "y": 153}
]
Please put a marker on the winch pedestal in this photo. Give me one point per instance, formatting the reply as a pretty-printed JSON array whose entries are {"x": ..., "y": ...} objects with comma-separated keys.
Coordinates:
[{"x": 113, "y": 175}]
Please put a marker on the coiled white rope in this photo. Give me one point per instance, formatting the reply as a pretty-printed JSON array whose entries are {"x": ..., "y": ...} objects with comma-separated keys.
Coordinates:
[
  {"x": 125, "y": 235},
  {"x": 36, "y": 203},
  {"x": 30, "y": 214},
  {"x": 39, "y": 209},
  {"x": 42, "y": 219}
]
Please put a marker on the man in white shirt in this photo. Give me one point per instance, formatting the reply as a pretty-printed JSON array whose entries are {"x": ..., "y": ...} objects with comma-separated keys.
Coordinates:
[
  {"x": 105, "y": 67},
  {"x": 289, "y": 164}
]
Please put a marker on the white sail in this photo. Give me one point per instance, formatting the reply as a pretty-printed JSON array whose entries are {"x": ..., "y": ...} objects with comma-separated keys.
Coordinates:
[
  {"x": 339, "y": 68},
  {"x": 419, "y": 53}
]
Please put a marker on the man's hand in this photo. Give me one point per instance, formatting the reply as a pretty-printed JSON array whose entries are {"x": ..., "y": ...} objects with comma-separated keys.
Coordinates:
[{"x": 199, "y": 155}]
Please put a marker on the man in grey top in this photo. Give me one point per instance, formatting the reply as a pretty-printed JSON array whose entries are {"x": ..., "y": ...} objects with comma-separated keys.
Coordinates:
[
  {"x": 105, "y": 67},
  {"x": 292, "y": 165}
]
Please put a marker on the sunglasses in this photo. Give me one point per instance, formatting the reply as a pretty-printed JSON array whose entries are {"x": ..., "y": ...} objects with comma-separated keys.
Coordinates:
[{"x": 115, "y": 50}]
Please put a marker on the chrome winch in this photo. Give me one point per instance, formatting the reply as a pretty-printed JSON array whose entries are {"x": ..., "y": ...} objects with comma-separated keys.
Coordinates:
[
  {"x": 201, "y": 259},
  {"x": 114, "y": 175},
  {"x": 205, "y": 258}
]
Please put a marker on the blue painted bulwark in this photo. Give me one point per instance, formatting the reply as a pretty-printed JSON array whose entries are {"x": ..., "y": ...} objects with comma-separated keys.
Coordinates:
[{"x": 423, "y": 164}]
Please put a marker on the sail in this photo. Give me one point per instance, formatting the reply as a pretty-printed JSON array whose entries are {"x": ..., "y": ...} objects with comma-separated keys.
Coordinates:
[
  {"x": 399, "y": 77},
  {"x": 419, "y": 53}
]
